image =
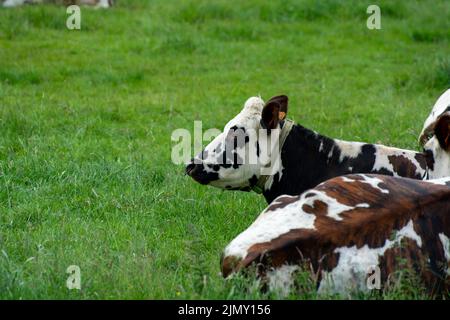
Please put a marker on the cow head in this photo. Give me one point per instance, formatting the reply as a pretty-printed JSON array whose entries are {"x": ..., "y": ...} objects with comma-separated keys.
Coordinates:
[
  {"x": 439, "y": 146},
  {"x": 234, "y": 159}
]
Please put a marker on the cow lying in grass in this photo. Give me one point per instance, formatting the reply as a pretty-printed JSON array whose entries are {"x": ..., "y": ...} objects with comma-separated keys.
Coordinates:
[
  {"x": 307, "y": 158},
  {"x": 348, "y": 226}
]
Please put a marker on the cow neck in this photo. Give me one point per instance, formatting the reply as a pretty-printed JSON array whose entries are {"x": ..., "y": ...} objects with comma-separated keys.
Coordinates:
[
  {"x": 265, "y": 183},
  {"x": 264, "y": 180}
]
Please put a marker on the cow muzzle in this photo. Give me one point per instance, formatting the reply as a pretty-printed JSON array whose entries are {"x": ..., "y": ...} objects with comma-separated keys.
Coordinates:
[{"x": 197, "y": 172}]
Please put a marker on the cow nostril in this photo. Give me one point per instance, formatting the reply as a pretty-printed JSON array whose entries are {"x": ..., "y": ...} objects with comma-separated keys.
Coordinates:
[{"x": 189, "y": 168}]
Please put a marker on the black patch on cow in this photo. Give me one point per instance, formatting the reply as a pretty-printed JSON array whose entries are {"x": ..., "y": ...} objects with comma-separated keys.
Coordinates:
[
  {"x": 281, "y": 202},
  {"x": 214, "y": 167},
  {"x": 304, "y": 166},
  {"x": 253, "y": 181},
  {"x": 236, "y": 138},
  {"x": 404, "y": 166},
  {"x": 447, "y": 109},
  {"x": 429, "y": 157},
  {"x": 383, "y": 171},
  {"x": 309, "y": 195},
  {"x": 421, "y": 158},
  {"x": 199, "y": 174}
]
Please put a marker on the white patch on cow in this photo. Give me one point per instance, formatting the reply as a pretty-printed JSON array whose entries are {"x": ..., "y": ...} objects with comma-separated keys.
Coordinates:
[
  {"x": 353, "y": 149},
  {"x": 445, "y": 244},
  {"x": 330, "y": 153},
  {"x": 382, "y": 161},
  {"x": 409, "y": 232},
  {"x": 334, "y": 207},
  {"x": 321, "y": 146},
  {"x": 351, "y": 272},
  {"x": 345, "y": 179},
  {"x": 281, "y": 280},
  {"x": 348, "y": 149},
  {"x": 254, "y": 103},
  {"x": 249, "y": 119},
  {"x": 441, "y": 181},
  {"x": 269, "y": 181},
  {"x": 271, "y": 224},
  {"x": 373, "y": 182}
]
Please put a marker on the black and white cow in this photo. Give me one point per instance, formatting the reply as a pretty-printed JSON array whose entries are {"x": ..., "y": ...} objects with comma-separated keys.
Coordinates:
[
  {"x": 347, "y": 227},
  {"x": 433, "y": 135},
  {"x": 307, "y": 158},
  {"x": 441, "y": 106}
]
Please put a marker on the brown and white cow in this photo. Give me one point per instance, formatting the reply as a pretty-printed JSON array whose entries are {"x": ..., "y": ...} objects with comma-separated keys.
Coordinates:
[
  {"x": 307, "y": 158},
  {"x": 347, "y": 226}
]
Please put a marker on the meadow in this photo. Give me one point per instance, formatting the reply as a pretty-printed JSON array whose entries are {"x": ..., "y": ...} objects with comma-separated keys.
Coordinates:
[{"x": 86, "y": 118}]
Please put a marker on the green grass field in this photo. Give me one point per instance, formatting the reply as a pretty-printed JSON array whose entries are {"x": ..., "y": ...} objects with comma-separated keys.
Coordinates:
[{"x": 86, "y": 119}]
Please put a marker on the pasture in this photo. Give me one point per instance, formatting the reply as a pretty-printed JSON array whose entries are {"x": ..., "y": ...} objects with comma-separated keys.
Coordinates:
[{"x": 86, "y": 118}]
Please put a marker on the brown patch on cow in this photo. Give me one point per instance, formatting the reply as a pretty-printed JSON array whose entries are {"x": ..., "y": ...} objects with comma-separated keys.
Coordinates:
[
  {"x": 442, "y": 131},
  {"x": 409, "y": 260},
  {"x": 403, "y": 166},
  {"x": 293, "y": 247},
  {"x": 421, "y": 158},
  {"x": 282, "y": 202},
  {"x": 309, "y": 195},
  {"x": 229, "y": 264},
  {"x": 430, "y": 159},
  {"x": 318, "y": 208}
]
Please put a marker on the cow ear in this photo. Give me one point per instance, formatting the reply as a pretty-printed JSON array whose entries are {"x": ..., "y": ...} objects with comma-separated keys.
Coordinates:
[
  {"x": 442, "y": 131},
  {"x": 274, "y": 111}
]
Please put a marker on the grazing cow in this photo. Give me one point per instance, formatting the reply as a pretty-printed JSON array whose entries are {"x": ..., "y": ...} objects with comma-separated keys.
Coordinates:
[
  {"x": 346, "y": 227},
  {"x": 307, "y": 158}
]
